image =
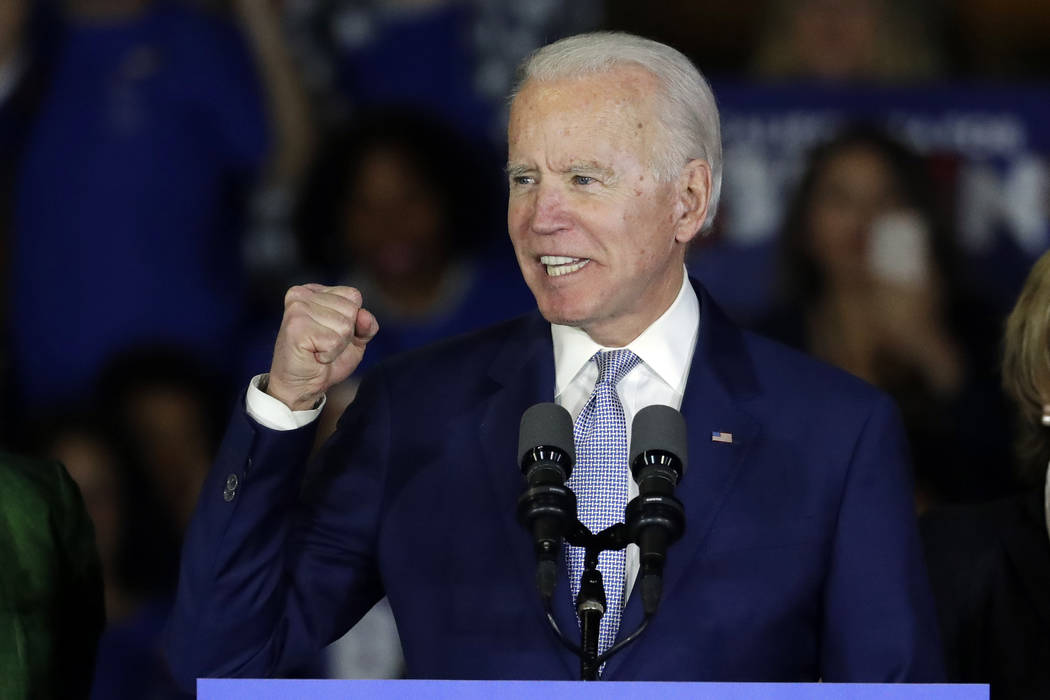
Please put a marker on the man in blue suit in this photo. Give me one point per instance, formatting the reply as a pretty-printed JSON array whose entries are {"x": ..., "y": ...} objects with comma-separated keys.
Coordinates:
[{"x": 800, "y": 559}]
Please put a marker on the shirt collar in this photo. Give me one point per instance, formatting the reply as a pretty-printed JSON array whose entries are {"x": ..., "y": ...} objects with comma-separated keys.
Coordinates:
[{"x": 666, "y": 346}]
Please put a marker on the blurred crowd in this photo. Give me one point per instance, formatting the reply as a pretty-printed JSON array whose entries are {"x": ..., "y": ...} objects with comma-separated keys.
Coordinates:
[{"x": 169, "y": 167}]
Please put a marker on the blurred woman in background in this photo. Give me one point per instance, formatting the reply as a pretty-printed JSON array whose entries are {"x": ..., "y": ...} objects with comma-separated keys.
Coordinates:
[{"x": 869, "y": 285}]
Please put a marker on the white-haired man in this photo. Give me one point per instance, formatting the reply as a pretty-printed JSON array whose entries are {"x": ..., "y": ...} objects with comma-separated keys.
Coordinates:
[{"x": 800, "y": 559}]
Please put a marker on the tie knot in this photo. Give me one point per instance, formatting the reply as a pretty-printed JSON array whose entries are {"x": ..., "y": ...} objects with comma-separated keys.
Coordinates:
[{"x": 613, "y": 365}]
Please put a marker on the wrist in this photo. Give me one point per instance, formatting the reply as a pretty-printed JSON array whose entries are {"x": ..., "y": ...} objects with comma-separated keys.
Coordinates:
[{"x": 303, "y": 401}]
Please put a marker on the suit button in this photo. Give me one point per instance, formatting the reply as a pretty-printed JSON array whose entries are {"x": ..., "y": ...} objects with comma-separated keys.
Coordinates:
[{"x": 231, "y": 488}]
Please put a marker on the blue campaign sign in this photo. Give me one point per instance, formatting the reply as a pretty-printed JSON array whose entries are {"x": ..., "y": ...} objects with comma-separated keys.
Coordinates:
[
  {"x": 214, "y": 689},
  {"x": 991, "y": 144}
]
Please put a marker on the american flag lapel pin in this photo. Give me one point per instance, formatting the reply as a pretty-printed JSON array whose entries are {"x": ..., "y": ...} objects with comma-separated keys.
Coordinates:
[{"x": 717, "y": 436}]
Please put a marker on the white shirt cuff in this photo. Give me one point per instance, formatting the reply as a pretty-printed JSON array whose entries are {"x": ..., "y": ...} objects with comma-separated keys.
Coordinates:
[{"x": 272, "y": 413}]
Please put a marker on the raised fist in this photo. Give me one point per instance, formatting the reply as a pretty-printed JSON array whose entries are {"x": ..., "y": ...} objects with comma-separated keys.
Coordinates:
[{"x": 321, "y": 342}]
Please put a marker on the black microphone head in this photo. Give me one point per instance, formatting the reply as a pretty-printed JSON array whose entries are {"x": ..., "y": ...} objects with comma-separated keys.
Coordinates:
[
  {"x": 549, "y": 425},
  {"x": 659, "y": 427}
]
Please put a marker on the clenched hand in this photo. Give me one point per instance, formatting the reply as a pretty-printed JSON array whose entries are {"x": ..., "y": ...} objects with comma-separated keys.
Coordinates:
[{"x": 321, "y": 342}]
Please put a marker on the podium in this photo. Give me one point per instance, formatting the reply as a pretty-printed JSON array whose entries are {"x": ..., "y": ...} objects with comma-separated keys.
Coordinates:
[{"x": 251, "y": 689}]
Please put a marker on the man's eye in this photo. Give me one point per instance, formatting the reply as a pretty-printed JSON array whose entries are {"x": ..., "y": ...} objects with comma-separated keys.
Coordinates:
[
  {"x": 522, "y": 180},
  {"x": 582, "y": 180}
]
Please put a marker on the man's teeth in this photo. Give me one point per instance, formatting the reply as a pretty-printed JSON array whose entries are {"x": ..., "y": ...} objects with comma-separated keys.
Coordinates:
[{"x": 558, "y": 265}]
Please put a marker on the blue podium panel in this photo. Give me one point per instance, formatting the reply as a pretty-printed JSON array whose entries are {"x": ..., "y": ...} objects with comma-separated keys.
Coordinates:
[{"x": 214, "y": 689}]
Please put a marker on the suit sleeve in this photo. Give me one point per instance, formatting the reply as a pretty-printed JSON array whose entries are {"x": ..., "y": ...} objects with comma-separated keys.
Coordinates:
[
  {"x": 279, "y": 561},
  {"x": 879, "y": 619}
]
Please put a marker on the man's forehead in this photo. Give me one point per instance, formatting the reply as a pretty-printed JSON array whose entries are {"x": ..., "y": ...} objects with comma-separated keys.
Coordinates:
[
  {"x": 628, "y": 86},
  {"x": 615, "y": 106}
]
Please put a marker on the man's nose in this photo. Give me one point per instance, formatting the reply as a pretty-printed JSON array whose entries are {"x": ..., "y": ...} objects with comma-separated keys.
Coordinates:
[{"x": 549, "y": 213}]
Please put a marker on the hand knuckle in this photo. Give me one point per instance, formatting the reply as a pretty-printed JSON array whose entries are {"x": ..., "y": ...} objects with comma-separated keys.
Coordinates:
[
  {"x": 293, "y": 293},
  {"x": 297, "y": 308}
]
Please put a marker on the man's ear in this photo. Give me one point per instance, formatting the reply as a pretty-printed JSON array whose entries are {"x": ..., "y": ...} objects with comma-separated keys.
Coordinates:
[{"x": 694, "y": 195}]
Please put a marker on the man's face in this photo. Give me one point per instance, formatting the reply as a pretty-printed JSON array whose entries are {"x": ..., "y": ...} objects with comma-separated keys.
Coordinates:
[{"x": 599, "y": 240}]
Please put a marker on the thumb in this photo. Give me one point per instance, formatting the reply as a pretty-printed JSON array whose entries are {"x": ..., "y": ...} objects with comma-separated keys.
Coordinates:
[{"x": 365, "y": 327}]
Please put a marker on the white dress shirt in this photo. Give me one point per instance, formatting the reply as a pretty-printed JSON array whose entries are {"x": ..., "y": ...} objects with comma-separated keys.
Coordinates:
[{"x": 665, "y": 349}]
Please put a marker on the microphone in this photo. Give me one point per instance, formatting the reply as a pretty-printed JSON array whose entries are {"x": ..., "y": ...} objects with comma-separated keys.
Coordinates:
[
  {"x": 655, "y": 518},
  {"x": 547, "y": 508}
]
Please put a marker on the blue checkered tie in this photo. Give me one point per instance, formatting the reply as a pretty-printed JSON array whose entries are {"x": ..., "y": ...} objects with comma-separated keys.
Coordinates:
[{"x": 600, "y": 481}]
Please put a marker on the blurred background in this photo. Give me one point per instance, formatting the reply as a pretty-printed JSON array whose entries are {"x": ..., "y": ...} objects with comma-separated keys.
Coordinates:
[{"x": 169, "y": 168}]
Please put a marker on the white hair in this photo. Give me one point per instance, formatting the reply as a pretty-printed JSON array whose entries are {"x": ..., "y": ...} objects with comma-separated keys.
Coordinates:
[{"x": 686, "y": 109}]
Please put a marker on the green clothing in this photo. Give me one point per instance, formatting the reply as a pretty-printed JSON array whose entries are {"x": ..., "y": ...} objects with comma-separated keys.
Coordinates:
[{"x": 51, "y": 604}]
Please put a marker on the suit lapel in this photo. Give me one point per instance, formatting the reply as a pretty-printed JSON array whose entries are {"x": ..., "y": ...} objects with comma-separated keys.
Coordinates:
[
  {"x": 720, "y": 375},
  {"x": 523, "y": 375}
]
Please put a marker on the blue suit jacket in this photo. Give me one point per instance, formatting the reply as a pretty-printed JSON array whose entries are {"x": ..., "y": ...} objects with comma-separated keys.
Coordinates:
[{"x": 800, "y": 558}]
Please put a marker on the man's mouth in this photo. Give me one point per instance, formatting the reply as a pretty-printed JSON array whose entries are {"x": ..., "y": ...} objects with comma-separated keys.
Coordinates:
[{"x": 558, "y": 265}]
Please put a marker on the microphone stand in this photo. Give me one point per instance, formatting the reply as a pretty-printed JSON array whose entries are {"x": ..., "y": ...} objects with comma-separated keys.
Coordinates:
[
  {"x": 590, "y": 606},
  {"x": 590, "y": 602}
]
